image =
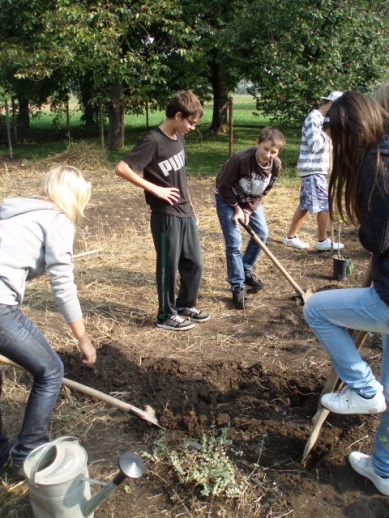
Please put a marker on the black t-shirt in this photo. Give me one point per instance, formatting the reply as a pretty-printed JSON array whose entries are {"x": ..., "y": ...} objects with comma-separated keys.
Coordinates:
[{"x": 162, "y": 161}]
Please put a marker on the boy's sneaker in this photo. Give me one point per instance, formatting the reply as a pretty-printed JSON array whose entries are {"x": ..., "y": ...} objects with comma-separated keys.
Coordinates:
[
  {"x": 363, "y": 465},
  {"x": 347, "y": 401},
  {"x": 326, "y": 245},
  {"x": 175, "y": 323},
  {"x": 239, "y": 298},
  {"x": 295, "y": 242},
  {"x": 194, "y": 314},
  {"x": 252, "y": 280},
  {"x": 17, "y": 472}
]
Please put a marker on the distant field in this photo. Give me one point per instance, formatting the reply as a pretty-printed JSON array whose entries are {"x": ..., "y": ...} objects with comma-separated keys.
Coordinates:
[{"x": 206, "y": 151}]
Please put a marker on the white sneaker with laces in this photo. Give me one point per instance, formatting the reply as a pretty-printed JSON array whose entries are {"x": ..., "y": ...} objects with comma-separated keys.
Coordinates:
[
  {"x": 325, "y": 246},
  {"x": 295, "y": 242},
  {"x": 347, "y": 401},
  {"x": 363, "y": 465}
]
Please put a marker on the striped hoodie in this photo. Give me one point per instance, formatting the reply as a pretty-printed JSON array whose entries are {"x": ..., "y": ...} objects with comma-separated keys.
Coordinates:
[{"x": 314, "y": 155}]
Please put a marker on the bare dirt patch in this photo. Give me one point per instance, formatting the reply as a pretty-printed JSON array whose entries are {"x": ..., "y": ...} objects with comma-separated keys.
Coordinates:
[{"x": 257, "y": 372}]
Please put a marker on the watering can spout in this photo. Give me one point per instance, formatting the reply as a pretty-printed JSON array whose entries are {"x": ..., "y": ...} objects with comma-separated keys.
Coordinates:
[{"x": 130, "y": 466}]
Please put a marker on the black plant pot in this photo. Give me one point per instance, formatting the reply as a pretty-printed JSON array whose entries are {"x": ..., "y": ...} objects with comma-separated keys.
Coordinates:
[{"x": 341, "y": 267}]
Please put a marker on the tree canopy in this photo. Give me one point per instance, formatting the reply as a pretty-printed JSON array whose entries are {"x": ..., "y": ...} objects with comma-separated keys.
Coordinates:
[
  {"x": 117, "y": 55},
  {"x": 295, "y": 51}
]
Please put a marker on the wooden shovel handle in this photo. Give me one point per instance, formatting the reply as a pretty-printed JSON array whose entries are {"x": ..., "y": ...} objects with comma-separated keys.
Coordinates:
[
  {"x": 265, "y": 249},
  {"x": 97, "y": 394}
]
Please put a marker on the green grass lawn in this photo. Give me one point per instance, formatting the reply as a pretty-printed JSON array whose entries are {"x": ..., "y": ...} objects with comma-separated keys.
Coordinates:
[{"x": 206, "y": 151}]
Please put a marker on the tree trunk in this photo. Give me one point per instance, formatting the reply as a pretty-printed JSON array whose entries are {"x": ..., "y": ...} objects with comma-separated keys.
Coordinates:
[
  {"x": 220, "y": 99},
  {"x": 24, "y": 118},
  {"x": 8, "y": 129},
  {"x": 14, "y": 119},
  {"x": 90, "y": 115},
  {"x": 68, "y": 117},
  {"x": 115, "y": 137},
  {"x": 101, "y": 124}
]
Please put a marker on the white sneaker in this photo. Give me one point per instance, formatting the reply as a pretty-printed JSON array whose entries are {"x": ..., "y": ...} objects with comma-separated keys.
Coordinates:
[
  {"x": 325, "y": 246},
  {"x": 363, "y": 465},
  {"x": 295, "y": 242},
  {"x": 347, "y": 401}
]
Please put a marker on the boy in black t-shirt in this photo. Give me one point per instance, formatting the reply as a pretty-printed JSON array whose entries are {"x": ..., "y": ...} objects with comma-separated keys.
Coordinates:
[{"x": 161, "y": 157}]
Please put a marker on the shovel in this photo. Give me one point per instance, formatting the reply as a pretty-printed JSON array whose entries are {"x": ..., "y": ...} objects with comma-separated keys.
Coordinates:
[
  {"x": 147, "y": 415},
  {"x": 304, "y": 296}
]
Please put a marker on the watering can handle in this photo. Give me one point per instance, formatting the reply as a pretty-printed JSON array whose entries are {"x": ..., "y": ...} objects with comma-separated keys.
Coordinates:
[{"x": 45, "y": 449}]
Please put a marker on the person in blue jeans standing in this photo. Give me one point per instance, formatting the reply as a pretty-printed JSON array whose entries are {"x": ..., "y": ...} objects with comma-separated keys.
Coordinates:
[
  {"x": 36, "y": 235},
  {"x": 241, "y": 184},
  {"x": 358, "y": 191}
]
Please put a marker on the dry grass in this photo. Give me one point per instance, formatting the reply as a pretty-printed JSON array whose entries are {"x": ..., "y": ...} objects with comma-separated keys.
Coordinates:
[{"x": 113, "y": 315}]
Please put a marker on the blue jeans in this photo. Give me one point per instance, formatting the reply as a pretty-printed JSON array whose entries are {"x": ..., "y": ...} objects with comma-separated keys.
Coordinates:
[
  {"x": 24, "y": 344},
  {"x": 237, "y": 264},
  {"x": 329, "y": 314}
]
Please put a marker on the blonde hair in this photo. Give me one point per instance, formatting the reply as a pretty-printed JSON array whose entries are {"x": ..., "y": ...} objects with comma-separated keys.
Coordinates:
[
  {"x": 382, "y": 96},
  {"x": 66, "y": 186}
]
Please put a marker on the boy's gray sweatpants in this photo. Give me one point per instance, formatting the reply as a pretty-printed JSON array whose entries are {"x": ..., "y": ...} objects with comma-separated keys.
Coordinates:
[{"x": 177, "y": 246}]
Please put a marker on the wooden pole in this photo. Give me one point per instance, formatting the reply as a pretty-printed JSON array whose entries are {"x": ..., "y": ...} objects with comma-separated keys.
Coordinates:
[
  {"x": 101, "y": 124},
  {"x": 230, "y": 125},
  {"x": 83, "y": 254},
  {"x": 8, "y": 129}
]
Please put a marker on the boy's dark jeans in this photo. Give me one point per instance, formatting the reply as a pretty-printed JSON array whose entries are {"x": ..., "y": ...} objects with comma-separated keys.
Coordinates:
[
  {"x": 177, "y": 245},
  {"x": 24, "y": 344}
]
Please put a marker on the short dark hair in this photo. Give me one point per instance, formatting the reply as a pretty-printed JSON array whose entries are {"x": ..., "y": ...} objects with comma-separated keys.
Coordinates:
[
  {"x": 185, "y": 102},
  {"x": 274, "y": 135}
]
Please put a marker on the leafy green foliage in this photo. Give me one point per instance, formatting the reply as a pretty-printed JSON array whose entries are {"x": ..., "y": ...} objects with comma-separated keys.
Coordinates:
[
  {"x": 298, "y": 50},
  {"x": 205, "y": 466},
  {"x": 350, "y": 268},
  {"x": 122, "y": 49},
  {"x": 121, "y": 55}
]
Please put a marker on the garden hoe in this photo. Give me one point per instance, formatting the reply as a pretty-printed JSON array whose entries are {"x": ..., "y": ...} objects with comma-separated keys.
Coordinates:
[
  {"x": 147, "y": 415},
  {"x": 332, "y": 384},
  {"x": 304, "y": 296}
]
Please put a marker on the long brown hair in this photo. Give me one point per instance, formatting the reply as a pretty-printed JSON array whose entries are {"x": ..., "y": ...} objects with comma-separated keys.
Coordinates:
[{"x": 356, "y": 124}]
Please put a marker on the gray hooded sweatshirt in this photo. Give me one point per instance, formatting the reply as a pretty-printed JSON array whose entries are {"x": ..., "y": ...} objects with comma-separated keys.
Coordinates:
[{"x": 36, "y": 237}]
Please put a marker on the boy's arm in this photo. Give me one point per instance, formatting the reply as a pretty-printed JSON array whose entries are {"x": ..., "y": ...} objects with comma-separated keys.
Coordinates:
[
  {"x": 170, "y": 194},
  {"x": 316, "y": 137},
  {"x": 226, "y": 178},
  {"x": 191, "y": 204}
]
